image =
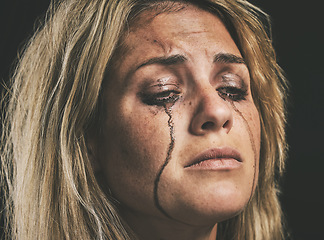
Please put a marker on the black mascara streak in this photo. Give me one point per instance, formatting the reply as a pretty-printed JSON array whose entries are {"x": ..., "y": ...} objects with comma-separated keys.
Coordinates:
[
  {"x": 167, "y": 160},
  {"x": 252, "y": 143}
]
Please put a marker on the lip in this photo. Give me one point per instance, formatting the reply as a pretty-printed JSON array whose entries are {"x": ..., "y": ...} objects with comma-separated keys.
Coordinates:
[{"x": 224, "y": 158}]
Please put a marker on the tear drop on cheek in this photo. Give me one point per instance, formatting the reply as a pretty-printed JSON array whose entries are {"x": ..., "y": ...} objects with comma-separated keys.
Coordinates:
[
  {"x": 253, "y": 145},
  {"x": 168, "y": 111}
]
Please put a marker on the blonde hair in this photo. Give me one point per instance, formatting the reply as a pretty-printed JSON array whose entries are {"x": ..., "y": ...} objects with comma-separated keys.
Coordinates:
[{"x": 50, "y": 188}]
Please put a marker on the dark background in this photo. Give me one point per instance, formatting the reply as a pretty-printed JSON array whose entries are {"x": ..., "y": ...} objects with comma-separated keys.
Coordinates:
[{"x": 298, "y": 40}]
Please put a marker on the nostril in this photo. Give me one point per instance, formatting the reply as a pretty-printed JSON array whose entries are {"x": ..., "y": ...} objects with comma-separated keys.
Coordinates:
[
  {"x": 226, "y": 124},
  {"x": 208, "y": 125}
]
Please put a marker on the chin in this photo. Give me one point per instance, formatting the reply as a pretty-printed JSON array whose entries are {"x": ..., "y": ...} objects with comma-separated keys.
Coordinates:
[
  {"x": 211, "y": 206},
  {"x": 215, "y": 214},
  {"x": 196, "y": 217}
]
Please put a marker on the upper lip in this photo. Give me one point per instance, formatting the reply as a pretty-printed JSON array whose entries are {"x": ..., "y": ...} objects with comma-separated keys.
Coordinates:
[{"x": 216, "y": 153}]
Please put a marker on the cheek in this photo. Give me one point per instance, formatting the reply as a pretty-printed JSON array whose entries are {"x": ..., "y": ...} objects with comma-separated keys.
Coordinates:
[
  {"x": 254, "y": 120},
  {"x": 251, "y": 120},
  {"x": 132, "y": 152},
  {"x": 249, "y": 127}
]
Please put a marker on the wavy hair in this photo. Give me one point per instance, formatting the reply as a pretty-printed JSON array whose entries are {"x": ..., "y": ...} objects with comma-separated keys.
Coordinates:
[{"x": 50, "y": 189}]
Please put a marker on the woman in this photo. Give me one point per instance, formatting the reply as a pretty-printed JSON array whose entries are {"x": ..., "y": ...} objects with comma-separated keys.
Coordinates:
[{"x": 140, "y": 119}]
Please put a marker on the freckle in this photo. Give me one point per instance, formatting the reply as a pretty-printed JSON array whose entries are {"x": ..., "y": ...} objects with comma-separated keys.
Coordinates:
[
  {"x": 190, "y": 103},
  {"x": 154, "y": 112}
]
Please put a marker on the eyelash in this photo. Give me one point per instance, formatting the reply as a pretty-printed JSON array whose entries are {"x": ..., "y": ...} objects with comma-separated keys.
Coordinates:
[
  {"x": 232, "y": 93},
  {"x": 161, "y": 98},
  {"x": 171, "y": 96}
]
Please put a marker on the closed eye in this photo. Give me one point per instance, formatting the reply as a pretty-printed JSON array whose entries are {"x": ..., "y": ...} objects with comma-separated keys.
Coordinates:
[
  {"x": 232, "y": 93},
  {"x": 160, "y": 98}
]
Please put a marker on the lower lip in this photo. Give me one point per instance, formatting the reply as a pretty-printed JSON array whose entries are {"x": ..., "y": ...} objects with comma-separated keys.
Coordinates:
[{"x": 217, "y": 164}]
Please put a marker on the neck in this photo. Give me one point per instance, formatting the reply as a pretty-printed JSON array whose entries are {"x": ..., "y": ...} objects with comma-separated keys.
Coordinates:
[{"x": 148, "y": 227}]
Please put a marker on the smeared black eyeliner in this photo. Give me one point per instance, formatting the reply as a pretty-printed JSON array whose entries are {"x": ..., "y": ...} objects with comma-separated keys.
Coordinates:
[
  {"x": 166, "y": 162},
  {"x": 161, "y": 98},
  {"x": 232, "y": 93},
  {"x": 233, "y": 87},
  {"x": 252, "y": 144}
]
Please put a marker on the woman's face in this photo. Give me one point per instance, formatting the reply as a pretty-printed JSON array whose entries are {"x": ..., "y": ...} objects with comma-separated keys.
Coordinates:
[{"x": 181, "y": 136}]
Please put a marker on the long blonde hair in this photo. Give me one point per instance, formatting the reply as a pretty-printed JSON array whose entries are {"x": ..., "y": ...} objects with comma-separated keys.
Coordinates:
[{"x": 50, "y": 188}]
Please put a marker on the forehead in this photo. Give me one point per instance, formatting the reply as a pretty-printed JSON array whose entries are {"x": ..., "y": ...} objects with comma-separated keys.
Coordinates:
[
  {"x": 188, "y": 30},
  {"x": 182, "y": 24}
]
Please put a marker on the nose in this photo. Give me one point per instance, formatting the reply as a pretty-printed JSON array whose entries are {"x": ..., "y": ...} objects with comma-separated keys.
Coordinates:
[{"x": 213, "y": 113}]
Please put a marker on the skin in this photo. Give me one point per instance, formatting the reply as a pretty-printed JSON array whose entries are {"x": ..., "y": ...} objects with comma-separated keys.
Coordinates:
[{"x": 136, "y": 135}]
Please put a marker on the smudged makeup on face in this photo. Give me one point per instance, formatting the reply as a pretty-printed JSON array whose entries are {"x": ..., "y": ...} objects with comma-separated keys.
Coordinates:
[
  {"x": 168, "y": 99},
  {"x": 168, "y": 111},
  {"x": 167, "y": 104},
  {"x": 253, "y": 145},
  {"x": 233, "y": 90}
]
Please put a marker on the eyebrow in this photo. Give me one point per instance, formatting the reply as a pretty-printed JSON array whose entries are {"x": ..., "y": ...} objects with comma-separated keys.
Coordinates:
[
  {"x": 166, "y": 61},
  {"x": 225, "y": 58},
  {"x": 228, "y": 58}
]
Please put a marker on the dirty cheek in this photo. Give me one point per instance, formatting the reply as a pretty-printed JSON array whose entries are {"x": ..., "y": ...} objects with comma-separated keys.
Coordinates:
[
  {"x": 168, "y": 111},
  {"x": 253, "y": 141}
]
